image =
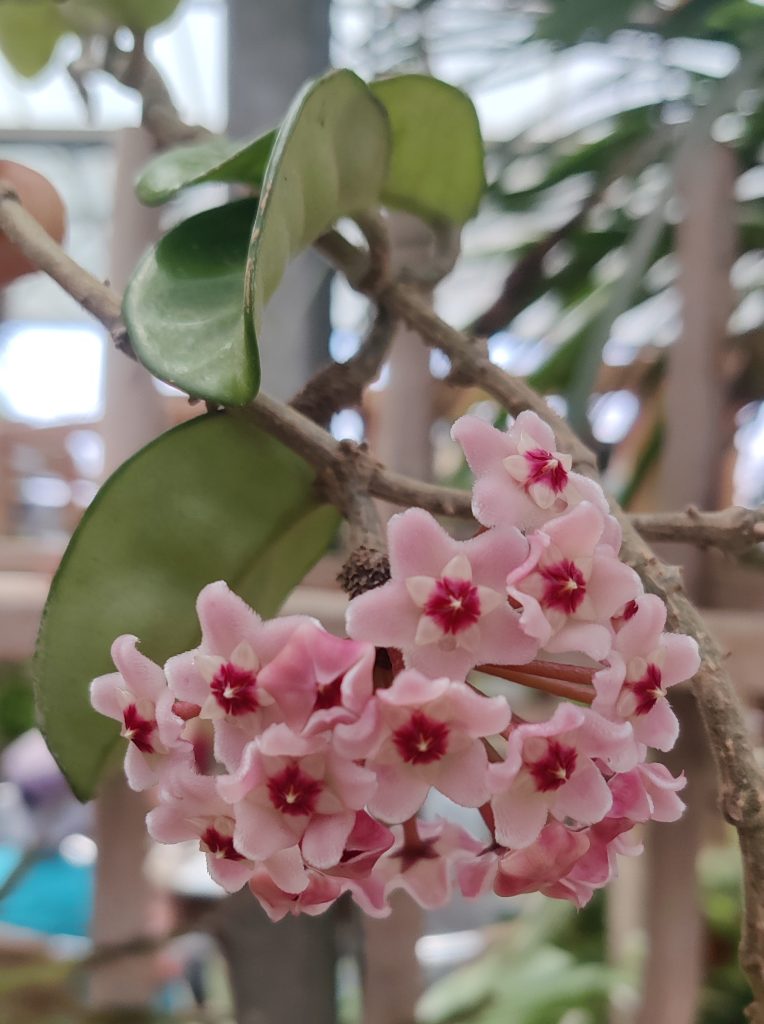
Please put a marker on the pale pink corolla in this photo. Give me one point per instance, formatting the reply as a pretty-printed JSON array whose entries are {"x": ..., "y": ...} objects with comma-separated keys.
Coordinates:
[
  {"x": 319, "y": 680},
  {"x": 521, "y": 478},
  {"x": 424, "y": 858},
  {"x": 445, "y": 606},
  {"x": 420, "y": 733},
  {"x": 550, "y": 769},
  {"x": 295, "y": 790},
  {"x": 319, "y": 893},
  {"x": 191, "y": 809},
  {"x": 572, "y": 584},
  {"x": 535, "y": 868},
  {"x": 608, "y": 839},
  {"x": 367, "y": 841},
  {"x": 644, "y": 664},
  {"x": 648, "y": 792},
  {"x": 138, "y": 698},
  {"x": 222, "y": 676}
]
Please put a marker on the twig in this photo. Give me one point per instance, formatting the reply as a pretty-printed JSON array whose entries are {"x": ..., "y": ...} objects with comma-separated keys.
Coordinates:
[
  {"x": 20, "y": 227},
  {"x": 341, "y": 385},
  {"x": 733, "y": 529},
  {"x": 160, "y": 115}
]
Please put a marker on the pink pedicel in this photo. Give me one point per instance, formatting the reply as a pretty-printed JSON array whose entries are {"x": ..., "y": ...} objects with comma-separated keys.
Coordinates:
[{"x": 319, "y": 756}]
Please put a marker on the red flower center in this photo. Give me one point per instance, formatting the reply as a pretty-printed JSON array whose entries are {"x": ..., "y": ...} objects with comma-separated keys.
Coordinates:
[
  {"x": 234, "y": 689},
  {"x": 453, "y": 604},
  {"x": 565, "y": 586},
  {"x": 630, "y": 609},
  {"x": 648, "y": 690},
  {"x": 329, "y": 695},
  {"x": 553, "y": 769},
  {"x": 138, "y": 729},
  {"x": 422, "y": 739},
  {"x": 545, "y": 468},
  {"x": 219, "y": 845},
  {"x": 294, "y": 792}
]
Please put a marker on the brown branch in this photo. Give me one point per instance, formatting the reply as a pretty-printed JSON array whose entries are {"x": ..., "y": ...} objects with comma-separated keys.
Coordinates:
[
  {"x": 160, "y": 115},
  {"x": 20, "y": 227},
  {"x": 733, "y": 529},
  {"x": 341, "y": 385}
]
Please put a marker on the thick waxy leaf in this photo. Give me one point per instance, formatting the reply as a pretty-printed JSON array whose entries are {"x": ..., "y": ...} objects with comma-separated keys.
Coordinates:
[
  {"x": 212, "y": 160},
  {"x": 139, "y": 15},
  {"x": 436, "y": 165},
  {"x": 329, "y": 161},
  {"x": 212, "y": 499},
  {"x": 29, "y": 33},
  {"x": 183, "y": 307}
]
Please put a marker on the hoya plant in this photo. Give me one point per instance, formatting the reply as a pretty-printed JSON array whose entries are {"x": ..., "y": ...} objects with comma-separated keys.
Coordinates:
[{"x": 299, "y": 760}]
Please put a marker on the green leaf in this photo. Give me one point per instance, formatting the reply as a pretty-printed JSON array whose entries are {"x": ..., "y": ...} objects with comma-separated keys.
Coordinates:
[
  {"x": 200, "y": 162},
  {"x": 215, "y": 498},
  {"x": 183, "y": 307},
  {"x": 29, "y": 33},
  {"x": 329, "y": 161},
  {"x": 139, "y": 15},
  {"x": 436, "y": 165}
]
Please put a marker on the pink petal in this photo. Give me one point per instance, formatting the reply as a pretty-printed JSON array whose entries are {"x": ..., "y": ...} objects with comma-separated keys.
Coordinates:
[
  {"x": 385, "y": 616},
  {"x": 462, "y": 776},
  {"x": 520, "y": 813},
  {"x": 412, "y": 689},
  {"x": 419, "y": 546},
  {"x": 287, "y": 870},
  {"x": 494, "y": 554},
  {"x": 504, "y": 639},
  {"x": 483, "y": 445},
  {"x": 325, "y": 838},
  {"x": 400, "y": 793},
  {"x": 641, "y": 633},
  {"x": 231, "y": 875},
  {"x": 585, "y": 797},
  {"x": 659, "y": 728},
  {"x": 475, "y": 714},
  {"x": 681, "y": 659},
  {"x": 261, "y": 831},
  {"x": 106, "y": 695},
  {"x": 143, "y": 678},
  {"x": 185, "y": 680}
]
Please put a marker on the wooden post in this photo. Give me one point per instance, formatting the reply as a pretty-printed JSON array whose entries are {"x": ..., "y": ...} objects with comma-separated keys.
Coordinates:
[
  {"x": 691, "y": 466},
  {"x": 124, "y": 901}
]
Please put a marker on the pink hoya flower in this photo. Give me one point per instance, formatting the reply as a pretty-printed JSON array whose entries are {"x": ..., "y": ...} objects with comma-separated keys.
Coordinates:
[
  {"x": 645, "y": 662},
  {"x": 222, "y": 676},
  {"x": 571, "y": 585},
  {"x": 539, "y": 867},
  {"x": 647, "y": 793},
  {"x": 137, "y": 696},
  {"x": 521, "y": 478},
  {"x": 608, "y": 839},
  {"x": 319, "y": 680},
  {"x": 549, "y": 769},
  {"x": 422, "y": 860},
  {"x": 318, "y": 894},
  {"x": 420, "y": 733},
  {"x": 446, "y": 605},
  {"x": 367, "y": 841},
  {"x": 293, "y": 789},
  {"x": 191, "y": 808}
]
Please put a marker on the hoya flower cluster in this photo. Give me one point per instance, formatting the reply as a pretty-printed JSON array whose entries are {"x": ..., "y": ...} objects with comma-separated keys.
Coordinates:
[{"x": 299, "y": 761}]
